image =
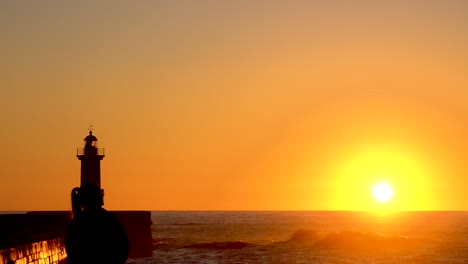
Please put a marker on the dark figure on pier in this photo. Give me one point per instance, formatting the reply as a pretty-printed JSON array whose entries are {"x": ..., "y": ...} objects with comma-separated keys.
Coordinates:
[{"x": 94, "y": 234}]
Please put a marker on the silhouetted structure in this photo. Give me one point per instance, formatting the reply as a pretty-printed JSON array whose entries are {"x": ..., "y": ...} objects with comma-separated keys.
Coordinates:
[
  {"x": 90, "y": 157},
  {"x": 137, "y": 224},
  {"x": 94, "y": 234}
]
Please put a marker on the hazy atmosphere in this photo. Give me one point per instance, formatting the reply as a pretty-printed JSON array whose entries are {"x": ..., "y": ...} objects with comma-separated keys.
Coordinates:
[{"x": 236, "y": 105}]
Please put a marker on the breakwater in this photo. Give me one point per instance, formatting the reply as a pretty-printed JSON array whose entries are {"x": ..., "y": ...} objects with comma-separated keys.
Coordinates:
[
  {"x": 38, "y": 237},
  {"x": 35, "y": 237}
]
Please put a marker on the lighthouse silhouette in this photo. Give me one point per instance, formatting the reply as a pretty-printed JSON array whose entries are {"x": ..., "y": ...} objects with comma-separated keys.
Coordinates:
[
  {"x": 90, "y": 157},
  {"x": 137, "y": 224}
]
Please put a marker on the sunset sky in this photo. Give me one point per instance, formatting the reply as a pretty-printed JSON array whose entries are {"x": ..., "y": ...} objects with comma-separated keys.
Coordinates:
[{"x": 236, "y": 105}]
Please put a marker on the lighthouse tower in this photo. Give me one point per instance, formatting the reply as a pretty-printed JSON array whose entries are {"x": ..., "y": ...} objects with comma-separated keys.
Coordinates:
[{"x": 90, "y": 157}]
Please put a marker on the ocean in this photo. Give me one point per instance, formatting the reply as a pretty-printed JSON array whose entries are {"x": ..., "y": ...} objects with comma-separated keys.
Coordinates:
[{"x": 308, "y": 237}]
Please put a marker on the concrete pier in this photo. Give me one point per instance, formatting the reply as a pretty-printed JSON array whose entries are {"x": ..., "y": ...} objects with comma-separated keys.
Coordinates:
[{"x": 39, "y": 237}]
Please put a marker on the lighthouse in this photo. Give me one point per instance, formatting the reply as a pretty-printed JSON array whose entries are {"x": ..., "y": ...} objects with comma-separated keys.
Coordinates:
[
  {"x": 137, "y": 224},
  {"x": 90, "y": 157}
]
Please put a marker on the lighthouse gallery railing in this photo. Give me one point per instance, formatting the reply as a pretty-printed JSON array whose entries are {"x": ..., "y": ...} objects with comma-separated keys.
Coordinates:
[{"x": 98, "y": 151}]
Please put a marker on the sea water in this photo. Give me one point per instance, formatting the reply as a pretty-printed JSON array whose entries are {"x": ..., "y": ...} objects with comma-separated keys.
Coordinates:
[{"x": 308, "y": 237}]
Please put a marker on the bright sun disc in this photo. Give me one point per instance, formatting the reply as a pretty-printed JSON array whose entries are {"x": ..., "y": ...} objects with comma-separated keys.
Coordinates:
[{"x": 382, "y": 192}]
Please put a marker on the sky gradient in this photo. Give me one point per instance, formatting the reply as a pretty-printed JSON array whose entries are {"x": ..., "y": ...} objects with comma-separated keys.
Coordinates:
[{"x": 239, "y": 105}]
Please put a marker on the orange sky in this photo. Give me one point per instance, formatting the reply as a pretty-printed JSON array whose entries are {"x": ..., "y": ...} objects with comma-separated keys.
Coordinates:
[{"x": 247, "y": 105}]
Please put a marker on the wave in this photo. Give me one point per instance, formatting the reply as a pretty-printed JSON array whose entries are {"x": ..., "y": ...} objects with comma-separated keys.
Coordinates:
[
  {"x": 164, "y": 243},
  {"x": 304, "y": 235},
  {"x": 220, "y": 245},
  {"x": 354, "y": 240},
  {"x": 310, "y": 238}
]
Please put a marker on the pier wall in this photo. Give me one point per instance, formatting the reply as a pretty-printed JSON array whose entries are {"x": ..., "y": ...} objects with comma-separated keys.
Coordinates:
[
  {"x": 38, "y": 237},
  {"x": 33, "y": 237},
  {"x": 137, "y": 225},
  {"x": 47, "y": 252}
]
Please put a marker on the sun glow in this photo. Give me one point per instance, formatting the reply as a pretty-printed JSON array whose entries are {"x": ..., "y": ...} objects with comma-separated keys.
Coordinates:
[
  {"x": 383, "y": 179},
  {"x": 382, "y": 192}
]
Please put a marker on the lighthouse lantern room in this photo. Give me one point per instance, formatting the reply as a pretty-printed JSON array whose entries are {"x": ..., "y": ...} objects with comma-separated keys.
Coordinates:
[{"x": 90, "y": 157}]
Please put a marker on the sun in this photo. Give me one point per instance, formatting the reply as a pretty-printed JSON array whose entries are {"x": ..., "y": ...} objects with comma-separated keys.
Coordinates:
[{"x": 382, "y": 192}]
